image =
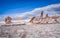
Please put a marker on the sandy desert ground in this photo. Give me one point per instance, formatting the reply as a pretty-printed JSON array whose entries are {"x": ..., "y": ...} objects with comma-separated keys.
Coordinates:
[{"x": 30, "y": 30}]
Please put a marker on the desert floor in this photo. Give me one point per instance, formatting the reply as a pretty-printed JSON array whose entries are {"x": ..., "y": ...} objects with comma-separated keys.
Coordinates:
[{"x": 30, "y": 30}]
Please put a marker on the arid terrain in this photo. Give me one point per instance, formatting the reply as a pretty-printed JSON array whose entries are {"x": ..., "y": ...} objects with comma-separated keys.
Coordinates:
[
  {"x": 30, "y": 30},
  {"x": 48, "y": 27}
]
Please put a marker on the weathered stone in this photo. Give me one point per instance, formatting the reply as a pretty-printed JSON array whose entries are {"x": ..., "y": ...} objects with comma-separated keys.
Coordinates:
[{"x": 8, "y": 20}]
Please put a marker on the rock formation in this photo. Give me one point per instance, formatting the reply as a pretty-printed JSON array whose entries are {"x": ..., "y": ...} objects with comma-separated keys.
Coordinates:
[
  {"x": 32, "y": 18},
  {"x": 8, "y": 20},
  {"x": 55, "y": 18},
  {"x": 40, "y": 18},
  {"x": 47, "y": 18},
  {"x": 41, "y": 15}
]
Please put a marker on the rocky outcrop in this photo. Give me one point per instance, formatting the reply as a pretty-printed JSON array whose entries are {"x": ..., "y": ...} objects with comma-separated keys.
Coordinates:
[
  {"x": 44, "y": 20},
  {"x": 8, "y": 20}
]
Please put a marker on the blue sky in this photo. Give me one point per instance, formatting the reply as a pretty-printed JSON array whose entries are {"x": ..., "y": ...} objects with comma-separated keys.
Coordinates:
[{"x": 21, "y": 6}]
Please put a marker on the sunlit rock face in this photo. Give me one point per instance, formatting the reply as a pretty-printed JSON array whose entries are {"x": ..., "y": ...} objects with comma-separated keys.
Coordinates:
[{"x": 8, "y": 20}]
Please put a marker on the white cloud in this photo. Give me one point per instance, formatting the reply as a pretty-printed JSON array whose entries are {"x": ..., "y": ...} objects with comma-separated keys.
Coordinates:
[{"x": 50, "y": 9}]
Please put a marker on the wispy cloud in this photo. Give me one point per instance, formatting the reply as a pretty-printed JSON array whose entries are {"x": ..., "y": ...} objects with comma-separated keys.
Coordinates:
[{"x": 50, "y": 9}]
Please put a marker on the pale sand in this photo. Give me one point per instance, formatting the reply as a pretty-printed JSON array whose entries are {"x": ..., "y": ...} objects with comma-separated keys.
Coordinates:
[{"x": 30, "y": 30}]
